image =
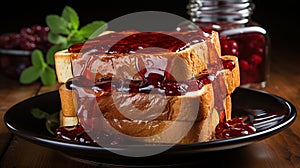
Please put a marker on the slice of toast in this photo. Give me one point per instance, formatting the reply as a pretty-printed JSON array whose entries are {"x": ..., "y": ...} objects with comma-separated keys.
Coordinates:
[
  {"x": 177, "y": 113},
  {"x": 182, "y": 65}
]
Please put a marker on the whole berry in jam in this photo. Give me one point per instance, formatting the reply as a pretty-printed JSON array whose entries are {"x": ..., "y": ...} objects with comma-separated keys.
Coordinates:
[
  {"x": 255, "y": 59},
  {"x": 244, "y": 65},
  {"x": 229, "y": 46},
  {"x": 235, "y": 127},
  {"x": 74, "y": 134},
  {"x": 250, "y": 48}
]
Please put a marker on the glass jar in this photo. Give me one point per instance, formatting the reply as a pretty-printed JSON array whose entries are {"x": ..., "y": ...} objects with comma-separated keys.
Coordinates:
[{"x": 239, "y": 35}]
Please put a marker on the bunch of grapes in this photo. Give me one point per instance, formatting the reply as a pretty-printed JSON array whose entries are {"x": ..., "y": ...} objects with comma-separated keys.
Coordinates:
[{"x": 29, "y": 38}]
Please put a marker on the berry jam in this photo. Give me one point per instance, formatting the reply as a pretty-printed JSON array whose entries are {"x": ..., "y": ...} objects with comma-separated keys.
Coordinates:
[
  {"x": 251, "y": 49},
  {"x": 239, "y": 35},
  {"x": 155, "y": 85},
  {"x": 156, "y": 77},
  {"x": 151, "y": 81},
  {"x": 78, "y": 135},
  {"x": 132, "y": 42},
  {"x": 74, "y": 134},
  {"x": 235, "y": 127}
]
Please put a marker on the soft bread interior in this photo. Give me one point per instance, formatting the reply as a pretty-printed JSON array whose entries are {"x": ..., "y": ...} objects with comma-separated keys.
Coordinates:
[
  {"x": 202, "y": 126},
  {"x": 183, "y": 65}
]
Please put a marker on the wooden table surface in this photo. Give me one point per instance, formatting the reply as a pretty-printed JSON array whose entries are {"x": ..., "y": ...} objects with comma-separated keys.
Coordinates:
[{"x": 281, "y": 150}]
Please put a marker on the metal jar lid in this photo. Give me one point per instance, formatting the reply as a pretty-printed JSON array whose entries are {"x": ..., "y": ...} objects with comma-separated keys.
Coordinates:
[{"x": 220, "y": 10}]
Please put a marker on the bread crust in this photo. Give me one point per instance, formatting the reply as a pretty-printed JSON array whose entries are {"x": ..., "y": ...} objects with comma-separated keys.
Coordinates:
[
  {"x": 184, "y": 64},
  {"x": 156, "y": 112}
]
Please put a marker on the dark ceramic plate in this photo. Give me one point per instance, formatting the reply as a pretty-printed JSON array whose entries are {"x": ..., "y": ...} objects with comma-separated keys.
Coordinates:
[{"x": 269, "y": 113}]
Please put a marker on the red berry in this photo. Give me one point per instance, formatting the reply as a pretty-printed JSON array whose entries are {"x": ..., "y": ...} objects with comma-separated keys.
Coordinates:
[
  {"x": 255, "y": 59},
  {"x": 234, "y": 128},
  {"x": 29, "y": 38},
  {"x": 36, "y": 28},
  {"x": 26, "y": 45},
  {"x": 26, "y": 31},
  {"x": 244, "y": 65},
  {"x": 228, "y": 64},
  {"x": 229, "y": 47}
]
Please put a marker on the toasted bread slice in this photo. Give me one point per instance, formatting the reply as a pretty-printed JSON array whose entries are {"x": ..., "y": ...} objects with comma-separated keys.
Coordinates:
[
  {"x": 182, "y": 65},
  {"x": 156, "y": 112}
]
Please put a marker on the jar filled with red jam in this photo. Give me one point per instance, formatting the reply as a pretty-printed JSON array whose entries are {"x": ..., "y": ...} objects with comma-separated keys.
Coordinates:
[{"x": 239, "y": 35}]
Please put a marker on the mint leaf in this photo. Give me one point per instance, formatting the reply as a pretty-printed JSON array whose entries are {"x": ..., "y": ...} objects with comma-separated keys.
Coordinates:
[
  {"x": 92, "y": 29},
  {"x": 37, "y": 58},
  {"x": 30, "y": 74},
  {"x": 57, "y": 24},
  {"x": 48, "y": 77},
  {"x": 76, "y": 39},
  {"x": 52, "y": 122},
  {"x": 56, "y": 38},
  {"x": 38, "y": 113},
  {"x": 70, "y": 15}
]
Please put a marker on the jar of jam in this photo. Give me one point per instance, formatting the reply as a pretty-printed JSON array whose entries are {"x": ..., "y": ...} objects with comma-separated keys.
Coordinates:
[{"x": 239, "y": 35}]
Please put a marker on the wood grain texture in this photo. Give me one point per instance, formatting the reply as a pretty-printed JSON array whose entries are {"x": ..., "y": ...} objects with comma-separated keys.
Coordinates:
[{"x": 11, "y": 92}]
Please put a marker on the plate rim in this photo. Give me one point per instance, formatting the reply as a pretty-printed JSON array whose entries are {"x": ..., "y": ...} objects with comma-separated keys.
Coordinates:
[{"x": 202, "y": 146}]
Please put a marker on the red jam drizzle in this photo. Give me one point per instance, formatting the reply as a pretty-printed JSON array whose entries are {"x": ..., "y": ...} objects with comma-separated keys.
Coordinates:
[
  {"x": 129, "y": 43},
  {"x": 163, "y": 83},
  {"x": 155, "y": 85},
  {"x": 235, "y": 127},
  {"x": 78, "y": 135},
  {"x": 74, "y": 134},
  {"x": 159, "y": 79}
]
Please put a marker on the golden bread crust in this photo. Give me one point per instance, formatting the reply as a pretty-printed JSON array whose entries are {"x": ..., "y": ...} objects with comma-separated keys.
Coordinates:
[{"x": 156, "y": 112}]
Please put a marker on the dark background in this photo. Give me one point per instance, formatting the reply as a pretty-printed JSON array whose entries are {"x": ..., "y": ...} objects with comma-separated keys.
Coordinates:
[{"x": 279, "y": 18}]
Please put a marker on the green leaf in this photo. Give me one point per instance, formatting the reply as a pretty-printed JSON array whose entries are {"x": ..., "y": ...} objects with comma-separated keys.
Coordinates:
[
  {"x": 57, "y": 24},
  {"x": 30, "y": 74},
  {"x": 51, "y": 52},
  {"x": 48, "y": 76},
  {"x": 52, "y": 122},
  {"x": 38, "y": 113},
  {"x": 37, "y": 58},
  {"x": 76, "y": 39},
  {"x": 70, "y": 15},
  {"x": 56, "y": 38},
  {"x": 93, "y": 29}
]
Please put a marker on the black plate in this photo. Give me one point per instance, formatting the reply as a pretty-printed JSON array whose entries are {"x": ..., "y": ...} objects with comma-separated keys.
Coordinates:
[{"x": 278, "y": 113}]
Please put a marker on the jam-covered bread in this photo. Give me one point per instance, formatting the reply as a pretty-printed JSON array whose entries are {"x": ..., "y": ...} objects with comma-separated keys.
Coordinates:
[{"x": 144, "y": 83}]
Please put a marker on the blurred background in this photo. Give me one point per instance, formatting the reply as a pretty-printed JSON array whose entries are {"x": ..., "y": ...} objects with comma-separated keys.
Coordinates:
[{"x": 279, "y": 19}]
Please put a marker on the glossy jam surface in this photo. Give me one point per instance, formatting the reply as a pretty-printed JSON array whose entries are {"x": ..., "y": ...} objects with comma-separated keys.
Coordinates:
[
  {"x": 156, "y": 77},
  {"x": 154, "y": 81},
  {"x": 78, "y": 135},
  {"x": 132, "y": 42},
  {"x": 156, "y": 85},
  {"x": 235, "y": 127},
  {"x": 74, "y": 134},
  {"x": 151, "y": 80}
]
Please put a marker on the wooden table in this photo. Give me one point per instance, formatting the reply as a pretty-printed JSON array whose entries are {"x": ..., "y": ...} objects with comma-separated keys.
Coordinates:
[{"x": 280, "y": 150}]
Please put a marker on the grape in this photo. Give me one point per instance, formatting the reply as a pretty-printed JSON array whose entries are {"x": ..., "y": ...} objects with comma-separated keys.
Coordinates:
[{"x": 28, "y": 38}]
